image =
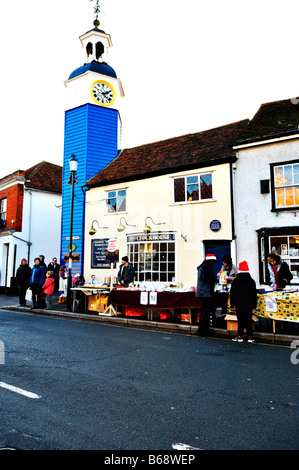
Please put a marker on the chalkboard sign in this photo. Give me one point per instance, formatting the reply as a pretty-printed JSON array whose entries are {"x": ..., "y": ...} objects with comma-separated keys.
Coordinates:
[{"x": 98, "y": 254}]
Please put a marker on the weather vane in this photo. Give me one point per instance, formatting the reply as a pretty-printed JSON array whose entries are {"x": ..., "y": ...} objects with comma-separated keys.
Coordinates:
[{"x": 96, "y": 10}]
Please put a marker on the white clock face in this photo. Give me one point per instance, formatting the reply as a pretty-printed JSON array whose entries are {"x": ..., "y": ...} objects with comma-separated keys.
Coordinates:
[{"x": 103, "y": 93}]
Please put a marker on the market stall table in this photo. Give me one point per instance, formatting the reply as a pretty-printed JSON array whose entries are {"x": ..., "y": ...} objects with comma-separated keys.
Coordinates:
[
  {"x": 139, "y": 301},
  {"x": 278, "y": 306},
  {"x": 88, "y": 290},
  {"x": 274, "y": 305}
]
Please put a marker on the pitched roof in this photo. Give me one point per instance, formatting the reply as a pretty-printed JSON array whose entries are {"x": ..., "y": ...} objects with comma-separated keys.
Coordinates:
[
  {"x": 45, "y": 177},
  {"x": 272, "y": 120},
  {"x": 186, "y": 152}
]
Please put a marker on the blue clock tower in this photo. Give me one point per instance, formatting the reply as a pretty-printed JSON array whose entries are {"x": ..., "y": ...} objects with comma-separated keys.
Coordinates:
[{"x": 92, "y": 134}]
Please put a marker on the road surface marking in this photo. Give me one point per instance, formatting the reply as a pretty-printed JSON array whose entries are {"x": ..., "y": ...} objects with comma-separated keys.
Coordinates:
[
  {"x": 181, "y": 446},
  {"x": 19, "y": 390}
]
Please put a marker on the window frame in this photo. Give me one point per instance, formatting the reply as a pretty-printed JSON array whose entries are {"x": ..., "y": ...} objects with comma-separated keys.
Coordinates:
[
  {"x": 273, "y": 166},
  {"x": 3, "y": 202},
  {"x": 159, "y": 251},
  {"x": 265, "y": 237},
  {"x": 192, "y": 175},
  {"x": 116, "y": 211}
]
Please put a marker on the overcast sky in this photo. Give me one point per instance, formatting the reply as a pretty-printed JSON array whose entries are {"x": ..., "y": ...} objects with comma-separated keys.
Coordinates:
[{"x": 185, "y": 66}]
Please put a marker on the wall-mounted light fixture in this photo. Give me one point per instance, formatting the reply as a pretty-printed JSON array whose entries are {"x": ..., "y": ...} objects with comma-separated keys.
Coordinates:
[
  {"x": 184, "y": 237},
  {"x": 122, "y": 227},
  {"x": 92, "y": 230},
  {"x": 147, "y": 228}
]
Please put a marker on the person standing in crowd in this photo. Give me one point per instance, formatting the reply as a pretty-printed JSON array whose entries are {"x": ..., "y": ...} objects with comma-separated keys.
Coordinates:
[
  {"x": 23, "y": 278},
  {"x": 37, "y": 279},
  {"x": 243, "y": 296},
  {"x": 279, "y": 271},
  {"x": 229, "y": 267},
  {"x": 48, "y": 289},
  {"x": 62, "y": 285},
  {"x": 54, "y": 266},
  {"x": 231, "y": 270},
  {"x": 206, "y": 281},
  {"x": 42, "y": 262},
  {"x": 126, "y": 272}
]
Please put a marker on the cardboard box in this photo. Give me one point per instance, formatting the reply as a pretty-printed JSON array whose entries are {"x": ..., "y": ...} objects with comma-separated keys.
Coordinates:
[
  {"x": 103, "y": 303},
  {"x": 93, "y": 303},
  {"x": 232, "y": 322},
  {"x": 185, "y": 317},
  {"x": 133, "y": 312}
]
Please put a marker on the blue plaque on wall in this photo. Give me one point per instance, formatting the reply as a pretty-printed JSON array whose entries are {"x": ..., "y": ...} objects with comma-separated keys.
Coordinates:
[{"x": 215, "y": 225}]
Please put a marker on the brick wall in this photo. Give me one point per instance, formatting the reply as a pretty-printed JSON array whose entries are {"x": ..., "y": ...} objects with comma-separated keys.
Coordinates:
[{"x": 14, "y": 210}]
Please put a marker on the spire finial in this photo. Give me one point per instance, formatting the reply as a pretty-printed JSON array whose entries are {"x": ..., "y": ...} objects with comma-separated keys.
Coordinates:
[{"x": 96, "y": 10}]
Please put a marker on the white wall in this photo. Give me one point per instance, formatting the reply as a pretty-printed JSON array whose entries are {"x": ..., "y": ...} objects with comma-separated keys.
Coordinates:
[
  {"x": 41, "y": 225},
  {"x": 253, "y": 209},
  {"x": 153, "y": 197}
]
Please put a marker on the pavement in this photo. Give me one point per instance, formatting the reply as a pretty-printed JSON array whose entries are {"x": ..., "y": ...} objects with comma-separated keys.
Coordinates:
[{"x": 286, "y": 332}]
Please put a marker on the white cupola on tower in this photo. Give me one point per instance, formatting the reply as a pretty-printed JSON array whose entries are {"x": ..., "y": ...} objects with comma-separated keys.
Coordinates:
[{"x": 96, "y": 44}]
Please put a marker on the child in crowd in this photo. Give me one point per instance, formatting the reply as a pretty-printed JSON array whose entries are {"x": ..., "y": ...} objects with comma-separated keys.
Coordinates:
[
  {"x": 62, "y": 285},
  {"x": 243, "y": 296},
  {"x": 93, "y": 282},
  {"x": 48, "y": 288}
]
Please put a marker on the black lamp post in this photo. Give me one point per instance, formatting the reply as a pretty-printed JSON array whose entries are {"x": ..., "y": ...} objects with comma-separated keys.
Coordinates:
[{"x": 73, "y": 170}]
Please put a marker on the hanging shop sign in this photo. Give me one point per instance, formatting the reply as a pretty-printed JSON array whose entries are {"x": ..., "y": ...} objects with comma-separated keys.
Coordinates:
[{"x": 75, "y": 258}]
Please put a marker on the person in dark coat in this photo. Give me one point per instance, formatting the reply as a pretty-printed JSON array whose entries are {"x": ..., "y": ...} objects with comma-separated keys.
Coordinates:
[
  {"x": 243, "y": 296},
  {"x": 126, "y": 272},
  {"x": 206, "y": 281},
  {"x": 54, "y": 266},
  {"x": 23, "y": 277},
  {"x": 36, "y": 282},
  {"x": 279, "y": 271}
]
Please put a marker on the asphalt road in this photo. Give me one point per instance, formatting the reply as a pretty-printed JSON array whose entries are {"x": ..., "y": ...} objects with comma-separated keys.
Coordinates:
[{"x": 100, "y": 386}]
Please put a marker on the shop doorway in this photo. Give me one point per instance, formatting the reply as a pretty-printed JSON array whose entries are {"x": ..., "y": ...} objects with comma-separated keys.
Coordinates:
[{"x": 219, "y": 249}]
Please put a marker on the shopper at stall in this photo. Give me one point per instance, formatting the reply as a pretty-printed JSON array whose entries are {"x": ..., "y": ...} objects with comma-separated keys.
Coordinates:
[
  {"x": 229, "y": 268},
  {"x": 206, "y": 281},
  {"x": 279, "y": 271},
  {"x": 126, "y": 272},
  {"x": 243, "y": 296}
]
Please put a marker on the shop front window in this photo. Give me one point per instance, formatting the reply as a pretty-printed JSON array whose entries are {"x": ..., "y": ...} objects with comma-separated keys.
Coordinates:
[
  {"x": 287, "y": 247},
  {"x": 153, "y": 257}
]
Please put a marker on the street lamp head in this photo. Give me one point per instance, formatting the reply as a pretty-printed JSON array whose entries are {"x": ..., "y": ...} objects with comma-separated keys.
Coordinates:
[{"x": 73, "y": 164}]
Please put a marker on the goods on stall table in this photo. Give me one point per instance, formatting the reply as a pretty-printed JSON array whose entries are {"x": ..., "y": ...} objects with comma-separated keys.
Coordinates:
[{"x": 278, "y": 305}]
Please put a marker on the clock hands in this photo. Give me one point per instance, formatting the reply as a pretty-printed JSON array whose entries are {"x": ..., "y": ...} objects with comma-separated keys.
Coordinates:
[{"x": 103, "y": 93}]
